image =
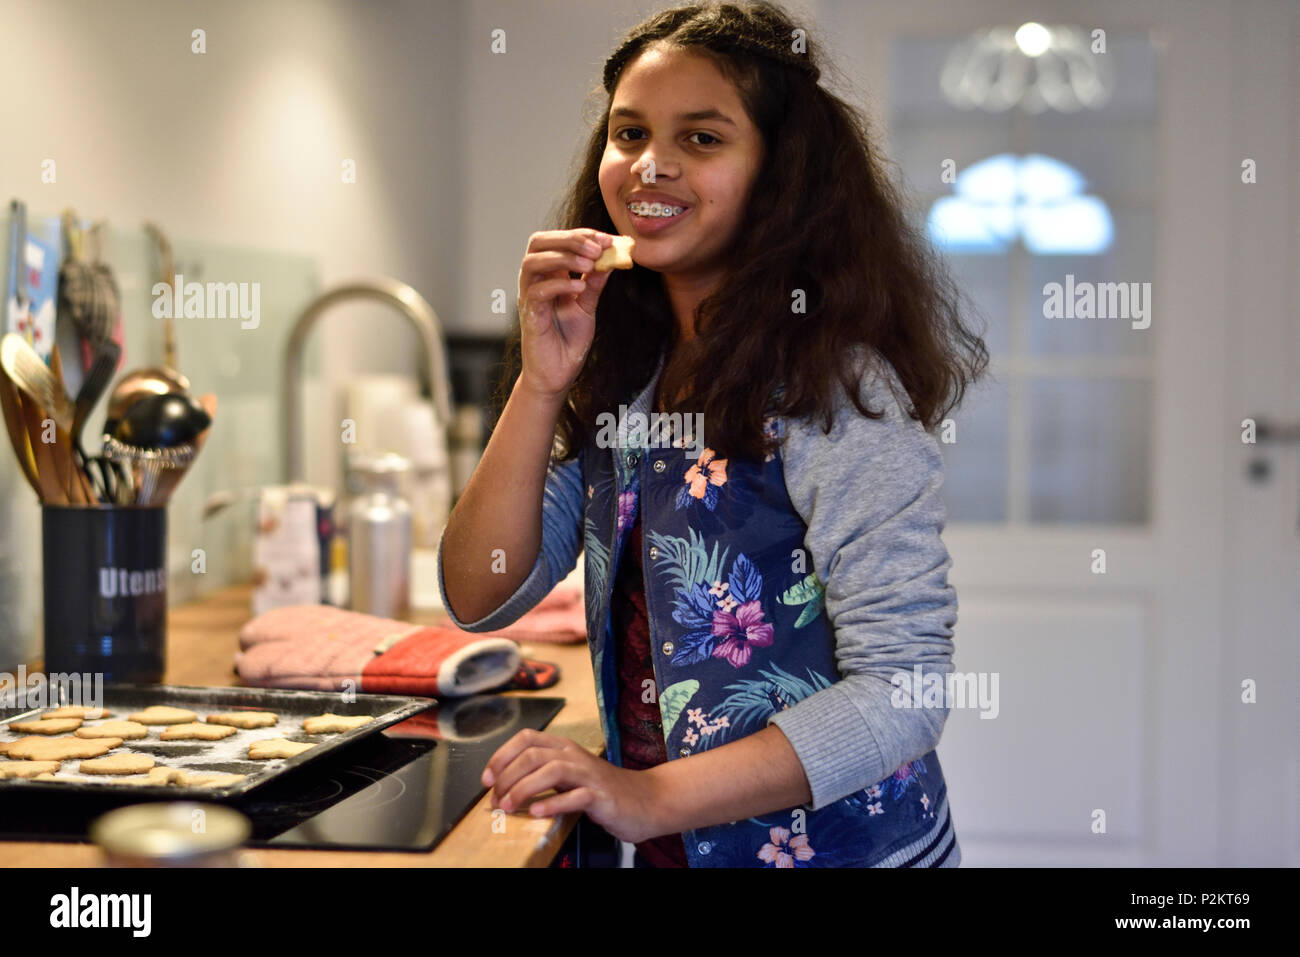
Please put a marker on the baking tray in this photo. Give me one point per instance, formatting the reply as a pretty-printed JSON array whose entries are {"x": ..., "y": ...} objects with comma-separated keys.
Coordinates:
[{"x": 230, "y": 754}]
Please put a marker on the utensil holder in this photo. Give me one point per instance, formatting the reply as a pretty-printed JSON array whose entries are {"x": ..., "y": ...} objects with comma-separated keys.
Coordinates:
[{"x": 105, "y": 583}]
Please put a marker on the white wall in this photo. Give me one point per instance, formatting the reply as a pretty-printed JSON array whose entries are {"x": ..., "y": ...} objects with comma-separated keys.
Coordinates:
[{"x": 244, "y": 143}]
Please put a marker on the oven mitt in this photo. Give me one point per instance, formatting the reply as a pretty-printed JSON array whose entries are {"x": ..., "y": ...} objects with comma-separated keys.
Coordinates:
[
  {"x": 559, "y": 618},
  {"x": 326, "y": 648}
]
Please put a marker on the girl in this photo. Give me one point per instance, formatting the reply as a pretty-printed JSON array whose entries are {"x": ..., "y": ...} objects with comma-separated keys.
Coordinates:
[{"x": 763, "y": 590}]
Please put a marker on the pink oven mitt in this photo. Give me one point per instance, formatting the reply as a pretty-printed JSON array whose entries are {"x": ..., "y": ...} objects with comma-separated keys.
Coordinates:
[
  {"x": 326, "y": 648},
  {"x": 559, "y": 618}
]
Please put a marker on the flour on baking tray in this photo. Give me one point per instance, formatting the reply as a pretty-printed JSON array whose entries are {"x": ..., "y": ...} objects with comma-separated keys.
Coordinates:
[{"x": 188, "y": 755}]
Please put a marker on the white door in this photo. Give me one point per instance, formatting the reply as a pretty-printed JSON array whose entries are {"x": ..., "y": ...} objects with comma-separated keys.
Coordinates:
[
  {"x": 1116, "y": 567},
  {"x": 1260, "y": 813}
]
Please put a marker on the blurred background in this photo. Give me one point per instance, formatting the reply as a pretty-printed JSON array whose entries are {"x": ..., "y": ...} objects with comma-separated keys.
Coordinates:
[{"x": 1127, "y": 560}]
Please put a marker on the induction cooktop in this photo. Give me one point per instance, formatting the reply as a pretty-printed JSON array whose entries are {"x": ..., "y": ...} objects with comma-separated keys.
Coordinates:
[{"x": 402, "y": 789}]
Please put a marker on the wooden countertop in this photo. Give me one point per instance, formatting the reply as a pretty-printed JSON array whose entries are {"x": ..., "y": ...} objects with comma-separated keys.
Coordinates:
[{"x": 202, "y": 638}]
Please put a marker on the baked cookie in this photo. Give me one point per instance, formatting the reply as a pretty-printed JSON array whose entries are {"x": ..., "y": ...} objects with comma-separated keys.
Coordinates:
[
  {"x": 60, "y": 749},
  {"x": 161, "y": 714},
  {"x": 211, "y": 779},
  {"x": 78, "y": 711},
  {"x": 117, "y": 764},
  {"x": 333, "y": 723},
  {"x": 126, "y": 730},
  {"x": 196, "y": 731},
  {"x": 244, "y": 719},
  {"x": 616, "y": 256},
  {"x": 27, "y": 769},
  {"x": 47, "y": 776},
  {"x": 276, "y": 748},
  {"x": 46, "y": 726},
  {"x": 158, "y": 776}
]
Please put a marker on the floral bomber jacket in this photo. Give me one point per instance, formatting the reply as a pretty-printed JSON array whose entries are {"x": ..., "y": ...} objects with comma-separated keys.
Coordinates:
[{"x": 790, "y": 591}]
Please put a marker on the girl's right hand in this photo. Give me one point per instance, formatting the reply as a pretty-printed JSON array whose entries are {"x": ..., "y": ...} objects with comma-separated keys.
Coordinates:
[{"x": 557, "y": 315}]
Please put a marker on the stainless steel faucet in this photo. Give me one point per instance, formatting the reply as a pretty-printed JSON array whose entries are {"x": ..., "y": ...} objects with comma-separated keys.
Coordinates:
[{"x": 393, "y": 292}]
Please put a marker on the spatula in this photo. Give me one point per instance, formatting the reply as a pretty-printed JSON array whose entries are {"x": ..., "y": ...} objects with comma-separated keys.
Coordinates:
[
  {"x": 46, "y": 473},
  {"x": 78, "y": 486},
  {"x": 17, "y": 429},
  {"x": 34, "y": 378},
  {"x": 92, "y": 387},
  {"x": 79, "y": 489}
]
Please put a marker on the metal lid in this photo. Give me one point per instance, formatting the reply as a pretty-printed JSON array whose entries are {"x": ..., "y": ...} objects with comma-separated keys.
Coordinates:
[
  {"x": 170, "y": 830},
  {"x": 378, "y": 463},
  {"x": 377, "y": 472}
]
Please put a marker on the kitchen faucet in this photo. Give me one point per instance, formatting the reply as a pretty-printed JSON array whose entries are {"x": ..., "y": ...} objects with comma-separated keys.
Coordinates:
[{"x": 393, "y": 292}]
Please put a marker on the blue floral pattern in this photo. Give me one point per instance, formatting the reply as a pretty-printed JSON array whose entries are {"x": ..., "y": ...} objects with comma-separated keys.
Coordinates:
[{"x": 740, "y": 632}]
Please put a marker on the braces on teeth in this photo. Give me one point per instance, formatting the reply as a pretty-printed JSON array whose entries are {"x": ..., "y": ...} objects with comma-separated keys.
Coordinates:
[{"x": 655, "y": 209}]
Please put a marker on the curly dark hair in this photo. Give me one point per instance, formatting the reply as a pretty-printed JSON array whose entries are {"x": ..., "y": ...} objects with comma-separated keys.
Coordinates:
[{"x": 822, "y": 217}]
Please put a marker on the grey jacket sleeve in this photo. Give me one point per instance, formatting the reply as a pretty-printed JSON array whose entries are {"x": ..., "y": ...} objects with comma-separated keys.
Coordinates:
[
  {"x": 869, "y": 494},
  {"x": 561, "y": 541}
]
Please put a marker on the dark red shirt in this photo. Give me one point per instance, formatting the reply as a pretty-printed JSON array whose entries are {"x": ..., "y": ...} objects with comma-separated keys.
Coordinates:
[{"x": 639, "y": 722}]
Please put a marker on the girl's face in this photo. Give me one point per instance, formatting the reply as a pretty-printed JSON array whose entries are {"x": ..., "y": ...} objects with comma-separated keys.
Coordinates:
[{"x": 676, "y": 110}]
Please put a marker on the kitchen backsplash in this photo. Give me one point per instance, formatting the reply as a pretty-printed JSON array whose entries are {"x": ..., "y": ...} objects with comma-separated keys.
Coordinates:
[{"x": 241, "y": 365}]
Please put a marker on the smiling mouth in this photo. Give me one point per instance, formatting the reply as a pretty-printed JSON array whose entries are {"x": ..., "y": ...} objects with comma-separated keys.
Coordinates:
[{"x": 656, "y": 210}]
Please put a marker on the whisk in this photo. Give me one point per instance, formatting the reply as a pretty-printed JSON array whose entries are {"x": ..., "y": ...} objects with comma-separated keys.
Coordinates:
[{"x": 154, "y": 472}]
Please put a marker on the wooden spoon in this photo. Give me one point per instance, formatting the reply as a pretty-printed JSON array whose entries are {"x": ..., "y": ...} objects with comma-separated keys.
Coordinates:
[
  {"x": 79, "y": 490},
  {"x": 17, "y": 429},
  {"x": 46, "y": 473},
  {"x": 170, "y": 478},
  {"x": 42, "y": 391},
  {"x": 75, "y": 482},
  {"x": 209, "y": 402},
  {"x": 33, "y": 377}
]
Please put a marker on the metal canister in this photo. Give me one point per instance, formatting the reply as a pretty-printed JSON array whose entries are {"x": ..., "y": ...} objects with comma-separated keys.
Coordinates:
[
  {"x": 379, "y": 537},
  {"x": 173, "y": 834}
]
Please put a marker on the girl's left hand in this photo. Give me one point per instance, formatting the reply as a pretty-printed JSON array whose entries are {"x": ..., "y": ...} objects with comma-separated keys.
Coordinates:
[{"x": 620, "y": 801}]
